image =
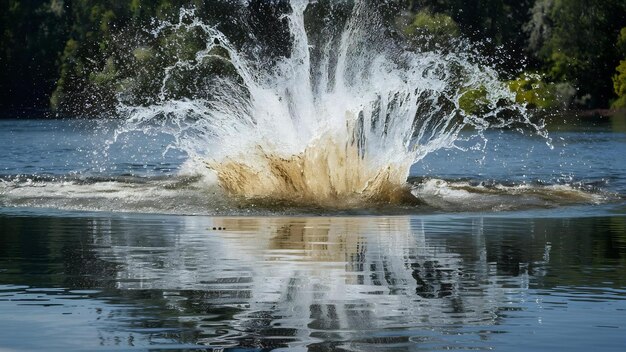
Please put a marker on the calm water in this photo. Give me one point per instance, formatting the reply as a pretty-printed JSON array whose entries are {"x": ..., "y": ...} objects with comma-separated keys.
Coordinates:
[{"x": 122, "y": 246}]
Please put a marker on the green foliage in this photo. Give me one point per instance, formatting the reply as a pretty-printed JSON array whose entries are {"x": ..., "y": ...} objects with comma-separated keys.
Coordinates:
[
  {"x": 107, "y": 76},
  {"x": 68, "y": 65},
  {"x": 110, "y": 54},
  {"x": 435, "y": 24},
  {"x": 619, "y": 79},
  {"x": 533, "y": 91},
  {"x": 621, "y": 42},
  {"x": 572, "y": 41},
  {"x": 474, "y": 101},
  {"x": 429, "y": 31},
  {"x": 81, "y": 54},
  {"x": 619, "y": 84}
]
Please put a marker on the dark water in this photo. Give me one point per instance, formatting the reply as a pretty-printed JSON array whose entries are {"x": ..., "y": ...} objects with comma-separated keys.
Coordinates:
[
  {"x": 99, "y": 251},
  {"x": 511, "y": 282}
]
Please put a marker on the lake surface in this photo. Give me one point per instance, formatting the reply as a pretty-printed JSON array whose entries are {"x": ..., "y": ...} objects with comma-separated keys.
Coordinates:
[{"x": 120, "y": 245}]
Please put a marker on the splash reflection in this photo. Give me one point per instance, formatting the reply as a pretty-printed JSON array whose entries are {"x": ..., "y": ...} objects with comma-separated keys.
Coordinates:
[{"x": 295, "y": 282}]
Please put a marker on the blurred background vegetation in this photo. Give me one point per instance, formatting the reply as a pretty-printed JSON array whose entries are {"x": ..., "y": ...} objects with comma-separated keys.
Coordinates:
[{"x": 77, "y": 57}]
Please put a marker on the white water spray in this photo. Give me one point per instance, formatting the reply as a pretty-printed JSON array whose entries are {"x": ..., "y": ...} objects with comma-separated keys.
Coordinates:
[{"x": 338, "y": 120}]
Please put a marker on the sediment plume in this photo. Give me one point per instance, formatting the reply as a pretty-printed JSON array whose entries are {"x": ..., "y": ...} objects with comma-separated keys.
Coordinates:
[{"x": 326, "y": 173}]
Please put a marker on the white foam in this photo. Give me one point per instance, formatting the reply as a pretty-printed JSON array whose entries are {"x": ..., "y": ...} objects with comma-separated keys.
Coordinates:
[
  {"x": 363, "y": 92},
  {"x": 464, "y": 196}
]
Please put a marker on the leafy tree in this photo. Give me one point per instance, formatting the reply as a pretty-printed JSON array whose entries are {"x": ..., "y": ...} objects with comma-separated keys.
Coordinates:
[
  {"x": 80, "y": 55},
  {"x": 575, "y": 41},
  {"x": 619, "y": 83}
]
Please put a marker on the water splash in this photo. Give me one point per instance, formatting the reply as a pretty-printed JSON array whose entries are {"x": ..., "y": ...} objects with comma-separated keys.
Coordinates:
[{"x": 339, "y": 119}]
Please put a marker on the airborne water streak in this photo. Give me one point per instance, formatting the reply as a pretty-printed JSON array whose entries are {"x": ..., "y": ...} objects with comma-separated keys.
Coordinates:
[{"x": 338, "y": 119}]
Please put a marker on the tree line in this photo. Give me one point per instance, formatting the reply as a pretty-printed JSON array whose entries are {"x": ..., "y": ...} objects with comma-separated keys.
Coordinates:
[{"x": 71, "y": 56}]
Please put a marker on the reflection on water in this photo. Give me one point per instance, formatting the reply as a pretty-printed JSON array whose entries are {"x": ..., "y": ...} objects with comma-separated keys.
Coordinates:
[{"x": 366, "y": 283}]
